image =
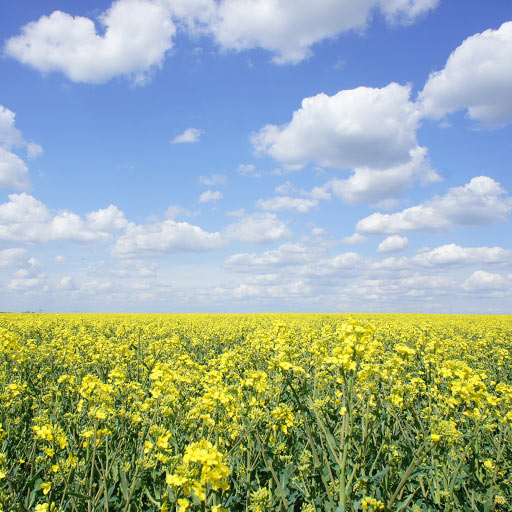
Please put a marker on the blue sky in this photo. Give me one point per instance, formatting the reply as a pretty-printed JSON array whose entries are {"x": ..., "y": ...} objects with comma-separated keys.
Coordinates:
[{"x": 256, "y": 155}]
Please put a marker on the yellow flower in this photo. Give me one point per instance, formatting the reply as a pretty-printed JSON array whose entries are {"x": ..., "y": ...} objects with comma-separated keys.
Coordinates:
[
  {"x": 183, "y": 504},
  {"x": 435, "y": 437},
  {"x": 46, "y": 486}
]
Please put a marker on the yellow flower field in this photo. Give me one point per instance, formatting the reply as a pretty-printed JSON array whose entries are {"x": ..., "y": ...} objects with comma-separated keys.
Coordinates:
[{"x": 263, "y": 412}]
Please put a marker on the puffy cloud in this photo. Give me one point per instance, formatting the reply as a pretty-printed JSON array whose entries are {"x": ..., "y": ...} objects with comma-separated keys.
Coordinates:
[
  {"x": 137, "y": 35},
  {"x": 290, "y": 29},
  {"x": 285, "y": 255},
  {"x": 190, "y": 135},
  {"x": 210, "y": 195},
  {"x": 453, "y": 254},
  {"x": 318, "y": 232},
  {"x": 13, "y": 170},
  {"x": 176, "y": 210},
  {"x": 165, "y": 237},
  {"x": 363, "y": 127},
  {"x": 247, "y": 170},
  {"x": 213, "y": 180},
  {"x": 378, "y": 186},
  {"x": 28, "y": 277},
  {"x": 66, "y": 283},
  {"x": 26, "y": 219},
  {"x": 476, "y": 77},
  {"x": 354, "y": 239},
  {"x": 258, "y": 228},
  {"x": 12, "y": 257},
  {"x": 329, "y": 266},
  {"x": 294, "y": 204},
  {"x": 393, "y": 243},
  {"x": 480, "y": 280},
  {"x": 479, "y": 202},
  {"x": 108, "y": 220},
  {"x": 294, "y": 289}
]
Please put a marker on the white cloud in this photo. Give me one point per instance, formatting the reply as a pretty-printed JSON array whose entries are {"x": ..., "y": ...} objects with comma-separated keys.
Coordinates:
[
  {"x": 190, "y": 135},
  {"x": 34, "y": 150},
  {"x": 393, "y": 243},
  {"x": 354, "y": 239},
  {"x": 107, "y": 220},
  {"x": 318, "y": 232},
  {"x": 12, "y": 257},
  {"x": 453, "y": 254},
  {"x": 247, "y": 170},
  {"x": 290, "y": 29},
  {"x": 134, "y": 36},
  {"x": 28, "y": 277},
  {"x": 165, "y": 237},
  {"x": 284, "y": 255},
  {"x": 293, "y": 289},
  {"x": 481, "y": 280},
  {"x": 363, "y": 127},
  {"x": 213, "y": 180},
  {"x": 210, "y": 195},
  {"x": 176, "y": 210},
  {"x": 378, "y": 186},
  {"x": 137, "y": 36},
  {"x": 26, "y": 219},
  {"x": 258, "y": 228},
  {"x": 480, "y": 202},
  {"x": 476, "y": 77},
  {"x": 13, "y": 170},
  {"x": 286, "y": 203},
  {"x": 329, "y": 266},
  {"x": 66, "y": 283},
  {"x": 10, "y": 136}
]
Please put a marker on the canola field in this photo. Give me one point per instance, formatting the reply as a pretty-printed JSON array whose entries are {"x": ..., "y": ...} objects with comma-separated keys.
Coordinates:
[{"x": 255, "y": 413}]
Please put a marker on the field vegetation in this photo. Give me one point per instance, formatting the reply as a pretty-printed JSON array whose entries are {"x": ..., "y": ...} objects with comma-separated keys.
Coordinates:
[{"x": 255, "y": 413}]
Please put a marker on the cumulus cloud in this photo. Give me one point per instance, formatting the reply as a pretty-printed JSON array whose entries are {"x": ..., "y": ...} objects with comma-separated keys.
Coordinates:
[
  {"x": 165, "y": 237},
  {"x": 133, "y": 37},
  {"x": 290, "y": 29},
  {"x": 476, "y": 77},
  {"x": 213, "y": 180},
  {"x": 480, "y": 280},
  {"x": 28, "y": 277},
  {"x": 482, "y": 201},
  {"x": 362, "y": 127},
  {"x": 354, "y": 239},
  {"x": 393, "y": 243},
  {"x": 175, "y": 210},
  {"x": 453, "y": 254},
  {"x": 25, "y": 219},
  {"x": 13, "y": 170},
  {"x": 247, "y": 170},
  {"x": 258, "y": 228},
  {"x": 190, "y": 135},
  {"x": 286, "y": 203},
  {"x": 137, "y": 35},
  {"x": 12, "y": 257},
  {"x": 378, "y": 186},
  {"x": 285, "y": 255},
  {"x": 209, "y": 196},
  {"x": 66, "y": 283},
  {"x": 107, "y": 220}
]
